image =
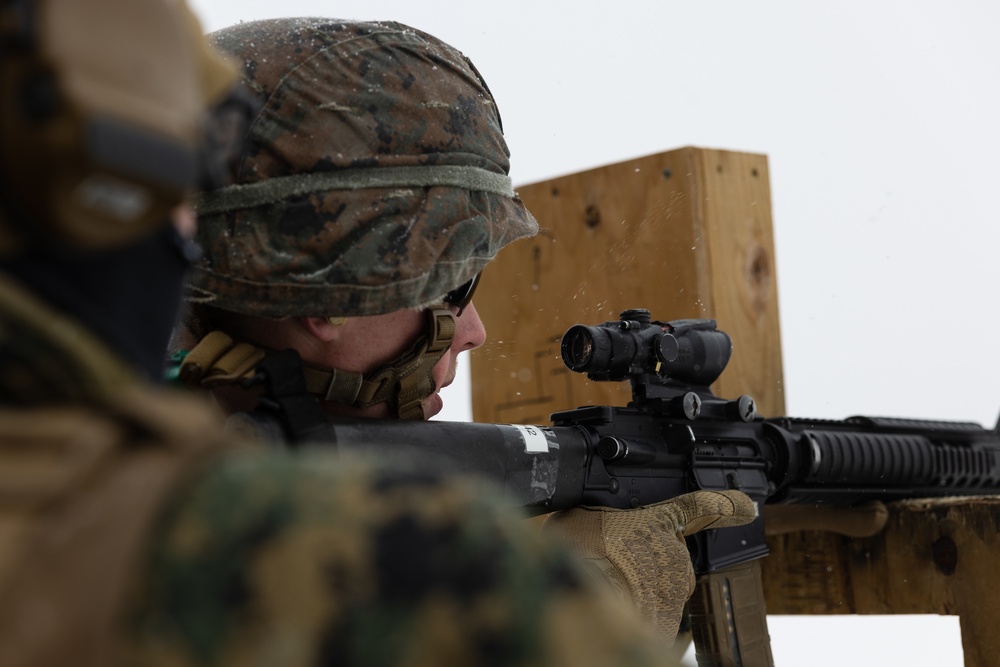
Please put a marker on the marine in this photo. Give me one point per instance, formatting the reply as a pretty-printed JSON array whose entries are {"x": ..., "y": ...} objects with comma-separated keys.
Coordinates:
[{"x": 373, "y": 191}]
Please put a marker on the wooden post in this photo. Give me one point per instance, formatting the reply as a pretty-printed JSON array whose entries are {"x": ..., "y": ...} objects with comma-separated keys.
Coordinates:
[
  {"x": 684, "y": 234},
  {"x": 933, "y": 557},
  {"x": 688, "y": 234}
]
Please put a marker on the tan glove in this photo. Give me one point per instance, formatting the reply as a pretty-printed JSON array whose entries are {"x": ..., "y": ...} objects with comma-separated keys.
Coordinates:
[{"x": 641, "y": 555}]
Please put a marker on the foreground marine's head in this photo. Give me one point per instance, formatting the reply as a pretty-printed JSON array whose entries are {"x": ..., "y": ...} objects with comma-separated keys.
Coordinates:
[
  {"x": 371, "y": 193},
  {"x": 103, "y": 107}
]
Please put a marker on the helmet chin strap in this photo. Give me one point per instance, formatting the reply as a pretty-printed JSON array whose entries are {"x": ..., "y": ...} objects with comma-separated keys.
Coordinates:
[{"x": 403, "y": 384}]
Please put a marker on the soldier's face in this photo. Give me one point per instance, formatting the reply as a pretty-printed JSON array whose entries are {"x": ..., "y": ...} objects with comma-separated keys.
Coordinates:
[{"x": 364, "y": 344}]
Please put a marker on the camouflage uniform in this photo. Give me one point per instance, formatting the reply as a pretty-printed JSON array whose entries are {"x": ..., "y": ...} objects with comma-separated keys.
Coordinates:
[{"x": 307, "y": 561}]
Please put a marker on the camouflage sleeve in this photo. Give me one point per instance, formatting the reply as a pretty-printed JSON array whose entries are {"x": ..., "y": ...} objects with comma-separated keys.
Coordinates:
[{"x": 273, "y": 559}]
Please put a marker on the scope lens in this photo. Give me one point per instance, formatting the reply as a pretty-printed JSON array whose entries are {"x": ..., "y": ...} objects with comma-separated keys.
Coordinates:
[
  {"x": 577, "y": 348},
  {"x": 667, "y": 348}
]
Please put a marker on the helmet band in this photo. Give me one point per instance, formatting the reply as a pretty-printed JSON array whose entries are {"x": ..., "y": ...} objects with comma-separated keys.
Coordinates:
[{"x": 272, "y": 190}]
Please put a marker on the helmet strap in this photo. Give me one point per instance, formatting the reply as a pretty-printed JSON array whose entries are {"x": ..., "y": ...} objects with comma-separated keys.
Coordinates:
[{"x": 403, "y": 384}]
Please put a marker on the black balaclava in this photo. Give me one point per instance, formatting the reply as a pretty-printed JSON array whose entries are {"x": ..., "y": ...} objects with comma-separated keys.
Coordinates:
[{"x": 129, "y": 297}]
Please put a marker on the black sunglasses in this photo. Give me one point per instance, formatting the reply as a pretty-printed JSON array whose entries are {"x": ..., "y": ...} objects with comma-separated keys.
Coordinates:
[{"x": 461, "y": 296}]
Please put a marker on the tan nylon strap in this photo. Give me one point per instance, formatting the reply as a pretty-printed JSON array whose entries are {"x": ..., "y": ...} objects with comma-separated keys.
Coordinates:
[
  {"x": 412, "y": 388},
  {"x": 351, "y": 387},
  {"x": 378, "y": 388},
  {"x": 412, "y": 372},
  {"x": 444, "y": 329},
  {"x": 418, "y": 383},
  {"x": 218, "y": 359},
  {"x": 411, "y": 411},
  {"x": 335, "y": 384}
]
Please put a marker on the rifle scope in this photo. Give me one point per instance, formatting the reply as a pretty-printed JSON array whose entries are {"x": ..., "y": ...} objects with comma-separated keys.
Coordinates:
[{"x": 687, "y": 351}]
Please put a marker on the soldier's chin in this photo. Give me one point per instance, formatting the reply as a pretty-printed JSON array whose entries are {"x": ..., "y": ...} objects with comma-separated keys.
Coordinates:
[{"x": 432, "y": 405}]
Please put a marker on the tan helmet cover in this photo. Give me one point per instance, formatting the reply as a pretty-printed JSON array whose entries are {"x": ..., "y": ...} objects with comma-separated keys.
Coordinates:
[{"x": 102, "y": 105}]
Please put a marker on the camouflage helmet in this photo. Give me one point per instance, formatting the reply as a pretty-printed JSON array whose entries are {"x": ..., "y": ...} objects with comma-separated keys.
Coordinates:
[{"x": 373, "y": 178}]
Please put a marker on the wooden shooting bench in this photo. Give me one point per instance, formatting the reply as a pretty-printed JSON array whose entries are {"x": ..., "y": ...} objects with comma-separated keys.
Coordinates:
[{"x": 688, "y": 234}]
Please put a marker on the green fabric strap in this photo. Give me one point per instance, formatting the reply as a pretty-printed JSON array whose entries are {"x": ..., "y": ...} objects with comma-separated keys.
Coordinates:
[{"x": 236, "y": 197}]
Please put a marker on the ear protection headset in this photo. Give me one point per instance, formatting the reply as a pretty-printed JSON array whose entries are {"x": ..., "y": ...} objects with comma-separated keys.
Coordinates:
[{"x": 101, "y": 111}]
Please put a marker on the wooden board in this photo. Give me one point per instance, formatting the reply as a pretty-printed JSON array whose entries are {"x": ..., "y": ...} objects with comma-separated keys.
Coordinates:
[
  {"x": 933, "y": 557},
  {"x": 685, "y": 234}
]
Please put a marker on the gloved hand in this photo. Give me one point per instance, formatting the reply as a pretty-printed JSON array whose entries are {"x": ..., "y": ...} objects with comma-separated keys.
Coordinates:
[{"x": 640, "y": 553}]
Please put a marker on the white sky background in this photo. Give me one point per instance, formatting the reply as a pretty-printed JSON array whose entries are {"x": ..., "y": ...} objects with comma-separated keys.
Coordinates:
[{"x": 879, "y": 119}]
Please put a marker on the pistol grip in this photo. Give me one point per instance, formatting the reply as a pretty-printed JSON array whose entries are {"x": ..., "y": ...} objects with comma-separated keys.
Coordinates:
[{"x": 728, "y": 622}]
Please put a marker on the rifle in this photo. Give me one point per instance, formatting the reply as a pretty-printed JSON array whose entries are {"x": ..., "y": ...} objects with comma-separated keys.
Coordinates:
[{"x": 675, "y": 436}]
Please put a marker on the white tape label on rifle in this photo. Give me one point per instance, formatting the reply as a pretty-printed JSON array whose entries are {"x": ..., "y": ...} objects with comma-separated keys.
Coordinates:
[{"x": 534, "y": 439}]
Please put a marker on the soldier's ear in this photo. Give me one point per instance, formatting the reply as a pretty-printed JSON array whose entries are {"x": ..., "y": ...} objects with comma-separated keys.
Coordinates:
[{"x": 323, "y": 329}]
